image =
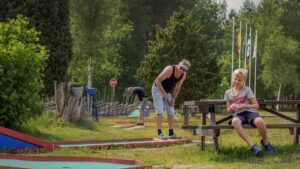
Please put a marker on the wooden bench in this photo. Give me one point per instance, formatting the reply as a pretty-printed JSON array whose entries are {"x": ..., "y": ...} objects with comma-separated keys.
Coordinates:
[{"x": 213, "y": 129}]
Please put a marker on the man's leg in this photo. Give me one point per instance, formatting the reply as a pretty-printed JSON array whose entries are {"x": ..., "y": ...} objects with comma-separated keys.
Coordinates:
[
  {"x": 158, "y": 105},
  {"x": 142, "y": 109}
]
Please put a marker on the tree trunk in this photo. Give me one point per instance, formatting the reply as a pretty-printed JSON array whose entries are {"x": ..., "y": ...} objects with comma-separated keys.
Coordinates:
[
  {"x": 62, "y": 94},
  {"x": 278, "y": 95},
  {"x": 68, "y": 106},
  {"x": 75, "y": 110}
]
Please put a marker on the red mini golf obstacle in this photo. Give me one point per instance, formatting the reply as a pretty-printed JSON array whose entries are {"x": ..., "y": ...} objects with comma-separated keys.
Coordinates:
[{"x": 10, "y": 139}]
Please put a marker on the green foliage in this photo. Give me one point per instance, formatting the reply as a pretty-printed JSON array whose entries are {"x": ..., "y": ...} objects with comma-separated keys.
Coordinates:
[
  {"x": 51, "y": 18},
  {"x": 211, "y": 15},
  {"x": 280, "y": 66},
  {"x": 182, "y": 38},
  {"x": 97, "y": 29},
  {"x": 22, "y": 62}
]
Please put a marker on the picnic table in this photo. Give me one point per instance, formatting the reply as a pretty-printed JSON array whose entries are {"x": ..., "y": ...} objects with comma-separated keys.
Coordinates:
[{"x": 206, "y": 107}]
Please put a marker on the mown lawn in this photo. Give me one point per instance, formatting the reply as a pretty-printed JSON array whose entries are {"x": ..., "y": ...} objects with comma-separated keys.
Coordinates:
[{"x": 234, "y": 152}]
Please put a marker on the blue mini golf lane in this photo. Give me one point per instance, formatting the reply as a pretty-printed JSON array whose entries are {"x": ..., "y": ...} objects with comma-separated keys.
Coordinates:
[{"x": 62, "y": 164}]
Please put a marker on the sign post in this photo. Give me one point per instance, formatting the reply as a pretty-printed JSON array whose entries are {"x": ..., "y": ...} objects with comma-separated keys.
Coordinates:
[{"x": 113, "y": 83}]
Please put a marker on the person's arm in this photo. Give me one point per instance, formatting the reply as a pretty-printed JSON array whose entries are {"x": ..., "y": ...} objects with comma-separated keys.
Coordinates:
[
  {"x": 177, "y": 89},
  {"x": 230, "y": 108},
  {"x": 253, "y": 104},
  {"x": 167, "y": 72}
]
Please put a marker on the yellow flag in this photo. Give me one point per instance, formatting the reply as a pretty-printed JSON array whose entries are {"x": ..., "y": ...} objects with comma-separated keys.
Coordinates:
[{"x": 239, "y": 42}]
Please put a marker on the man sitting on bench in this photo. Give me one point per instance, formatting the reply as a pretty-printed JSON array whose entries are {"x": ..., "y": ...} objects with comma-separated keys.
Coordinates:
[{"x": 241, "y": 101}]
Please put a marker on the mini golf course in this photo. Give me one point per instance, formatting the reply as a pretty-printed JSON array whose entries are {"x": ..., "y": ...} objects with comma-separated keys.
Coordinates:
[
  {"x": 13, "y": 140},
  {"x": 12, "y": 161}
]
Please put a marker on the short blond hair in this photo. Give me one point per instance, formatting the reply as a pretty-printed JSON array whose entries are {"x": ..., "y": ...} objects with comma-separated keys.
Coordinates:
[
  {"x": 242, "y": 72},
  {"x": 185, "y": 64}
]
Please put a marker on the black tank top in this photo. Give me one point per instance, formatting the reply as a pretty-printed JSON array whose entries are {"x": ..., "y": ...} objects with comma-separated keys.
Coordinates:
[{"x": 169, "y": 83}]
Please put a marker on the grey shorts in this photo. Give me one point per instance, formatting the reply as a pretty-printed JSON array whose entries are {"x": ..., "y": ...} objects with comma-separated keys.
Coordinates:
[
  {"x": 159, "y": 104},
  {"x": 246, "y": 117}
]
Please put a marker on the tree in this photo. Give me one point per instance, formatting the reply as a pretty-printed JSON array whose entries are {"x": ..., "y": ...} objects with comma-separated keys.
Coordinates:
[
  {"x": 182, "y": 38},
  {"x": 279, "y": 61},
  {"x": 97, "y": 31},
  {"x": 22, "y": 61},
  {"x": 211, "y": 15},
  {"x": 51, "y": 18}
]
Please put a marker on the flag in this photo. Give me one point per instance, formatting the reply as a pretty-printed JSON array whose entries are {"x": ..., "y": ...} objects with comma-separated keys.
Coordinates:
[
  {"x": 239, "y": 42},
  {"x": 245, "y": 43},
  {"x": 249, "y": 43},
  {"x": 255, "y": 46}
]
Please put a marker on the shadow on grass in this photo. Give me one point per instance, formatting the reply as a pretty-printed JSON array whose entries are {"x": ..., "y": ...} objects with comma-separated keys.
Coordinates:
[
  {"x": 34, "y": 132},
  {"x": 283, "y": 154}
]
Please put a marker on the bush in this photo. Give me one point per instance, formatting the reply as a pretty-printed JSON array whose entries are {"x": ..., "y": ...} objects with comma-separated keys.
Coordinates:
[{"x": 22, "y": 61}]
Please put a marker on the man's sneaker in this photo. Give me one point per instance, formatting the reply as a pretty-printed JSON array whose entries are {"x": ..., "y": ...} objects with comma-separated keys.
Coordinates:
[
  {"x": 140, "y": 124},
  {"x": 161, "y": 136},
  {"x": 174, "y": 137},
  {"x": 268, "y": 147},
  {"x": 255, "y": 150}
]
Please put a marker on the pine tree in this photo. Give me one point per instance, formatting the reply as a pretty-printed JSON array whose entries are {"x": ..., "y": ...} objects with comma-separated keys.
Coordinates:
[{"x": 182, "y": 38}]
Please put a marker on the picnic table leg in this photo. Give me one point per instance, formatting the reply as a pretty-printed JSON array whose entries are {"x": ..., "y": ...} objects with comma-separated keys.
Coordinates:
[
  {"x": 296, "y": 135},
  {"x": 203, "y": 137},
  {"x": 186, "y": 116},
  {"x": 215, "y": 137}
]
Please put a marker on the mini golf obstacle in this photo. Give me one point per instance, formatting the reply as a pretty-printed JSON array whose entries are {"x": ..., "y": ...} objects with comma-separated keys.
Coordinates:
[
  {"x": 12, "y": 161},
  {"x": 10, "y": 139}
]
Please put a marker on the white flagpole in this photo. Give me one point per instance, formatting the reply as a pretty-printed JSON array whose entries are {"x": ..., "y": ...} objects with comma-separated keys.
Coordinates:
[
  {"x": 245, "y": 48},
  {"x": 232, "y": 50},
  {"x": 240, "y": 44},
  {"x": 255, "y": 54},
  {"x": 250, "y": 59}
]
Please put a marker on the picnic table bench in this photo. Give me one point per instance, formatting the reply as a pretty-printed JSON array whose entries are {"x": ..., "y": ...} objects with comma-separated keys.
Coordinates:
[{"x": 213, "y": 129}]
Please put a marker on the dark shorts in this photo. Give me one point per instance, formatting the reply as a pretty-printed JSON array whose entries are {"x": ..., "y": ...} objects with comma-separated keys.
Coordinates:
[{"x": 246, "y": 117}]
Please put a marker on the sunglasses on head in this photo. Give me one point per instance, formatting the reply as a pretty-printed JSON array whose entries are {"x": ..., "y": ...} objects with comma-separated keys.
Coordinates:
[{"x": 183, "y": 69}]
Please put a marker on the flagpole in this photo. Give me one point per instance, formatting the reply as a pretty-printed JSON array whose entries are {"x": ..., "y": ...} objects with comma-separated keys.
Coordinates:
[
  {"x": 250, "y": 59},
  {"x": 240, "y": 34},
  {"x": 245, "y": 48},
  {"x": 255, "y": 54},
  {"x": 232, "y": 50}
]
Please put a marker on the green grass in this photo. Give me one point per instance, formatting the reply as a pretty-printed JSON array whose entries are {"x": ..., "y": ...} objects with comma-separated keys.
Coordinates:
[{"x": 234, "y": 152}]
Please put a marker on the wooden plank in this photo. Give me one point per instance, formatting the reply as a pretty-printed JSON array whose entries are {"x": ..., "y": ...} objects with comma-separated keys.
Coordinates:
[
  {"x": 205, "y": 132},
  {"x": 279, "y": 114},
  {"x": 222, "y": 102},
  {"x": 269, "y": 126}
]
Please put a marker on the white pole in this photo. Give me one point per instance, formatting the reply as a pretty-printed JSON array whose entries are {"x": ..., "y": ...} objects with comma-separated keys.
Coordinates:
[
  {"x": 240, "y": 45},
  {"x": 250, "y": 58},
  {"x": 255, "y": 54},
  {"x": 245, "y": 48},
  {"x": 232, "y": 49}
]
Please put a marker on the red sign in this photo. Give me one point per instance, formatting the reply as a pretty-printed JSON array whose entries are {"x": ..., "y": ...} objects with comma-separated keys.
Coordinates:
[{"x": 113, "y": 82}]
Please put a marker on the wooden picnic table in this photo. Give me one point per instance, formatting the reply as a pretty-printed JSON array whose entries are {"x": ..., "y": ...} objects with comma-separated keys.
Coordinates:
[{"x": 213, "y": 129}]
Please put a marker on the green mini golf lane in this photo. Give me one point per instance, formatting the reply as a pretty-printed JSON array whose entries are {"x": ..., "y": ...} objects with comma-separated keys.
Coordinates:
[
  {"x": 13, "y": 161},
  {"x": 62, "y": 164}
]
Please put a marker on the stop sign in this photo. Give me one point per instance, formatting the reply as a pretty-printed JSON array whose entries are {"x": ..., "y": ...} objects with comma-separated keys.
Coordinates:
[{"x": 113, "y": 82}]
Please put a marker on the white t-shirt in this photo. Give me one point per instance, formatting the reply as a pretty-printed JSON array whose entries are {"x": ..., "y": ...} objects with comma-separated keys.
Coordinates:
[{"x": 243, "y": 97}]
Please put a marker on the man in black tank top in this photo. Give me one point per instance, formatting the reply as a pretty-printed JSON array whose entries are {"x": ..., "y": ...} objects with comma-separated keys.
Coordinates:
[{"x": 165, "y": 90}]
